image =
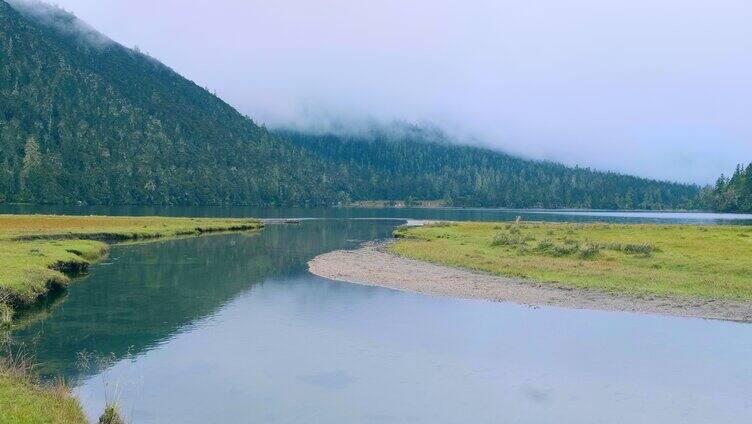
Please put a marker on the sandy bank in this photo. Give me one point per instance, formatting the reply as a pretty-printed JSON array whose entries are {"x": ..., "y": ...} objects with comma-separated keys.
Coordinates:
[{"x": 371, "y": 265}]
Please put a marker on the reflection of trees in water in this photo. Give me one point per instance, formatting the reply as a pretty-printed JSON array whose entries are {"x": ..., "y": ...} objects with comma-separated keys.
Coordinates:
[
  {"x": 144, "y": 294},
  {"x": 39, "y": 311}
]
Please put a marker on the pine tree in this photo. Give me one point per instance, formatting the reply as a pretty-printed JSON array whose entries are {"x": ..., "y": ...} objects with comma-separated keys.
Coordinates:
[{"x": 30, "y": 170}]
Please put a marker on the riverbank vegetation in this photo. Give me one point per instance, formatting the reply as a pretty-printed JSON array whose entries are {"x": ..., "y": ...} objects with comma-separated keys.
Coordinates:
[
  {"x": 39, "y": 253},
  {"x": 23, "y": 399},
  {"x": 706, "y": 262}
]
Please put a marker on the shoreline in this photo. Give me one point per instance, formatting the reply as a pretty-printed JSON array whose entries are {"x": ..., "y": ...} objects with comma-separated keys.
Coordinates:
[
  {"x": 49, "y": 251},
  {"x": 371, "y": 265}
]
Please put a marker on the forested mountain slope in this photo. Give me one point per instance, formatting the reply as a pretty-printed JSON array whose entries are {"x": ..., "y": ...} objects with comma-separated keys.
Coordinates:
[
  {"x": 423, "y": 164},
  {"x": 91, "y": 121},
  {"x": 84, "y": 119}
]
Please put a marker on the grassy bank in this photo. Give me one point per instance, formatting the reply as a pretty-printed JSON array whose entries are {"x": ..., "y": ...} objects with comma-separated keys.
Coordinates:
[
  {"x": 39, "y": 253},
  {"x": 709, "y": 262},
  {"x": 24, "y": 400}
]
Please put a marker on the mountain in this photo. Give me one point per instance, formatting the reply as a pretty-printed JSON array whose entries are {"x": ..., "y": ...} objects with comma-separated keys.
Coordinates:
[
  {"x": 398, "y": 163},
  {"x": 86, "y": 120}
]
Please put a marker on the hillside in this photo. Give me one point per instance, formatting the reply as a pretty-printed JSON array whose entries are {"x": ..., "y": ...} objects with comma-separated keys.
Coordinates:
[
  {"x": 94, "y": 122},
  {"x": 412, "y": 162},
  {"x": 86, "y": 120}
]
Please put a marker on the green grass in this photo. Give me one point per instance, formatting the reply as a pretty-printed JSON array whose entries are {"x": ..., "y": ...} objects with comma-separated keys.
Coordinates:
[
  {"x": 39, "y": 252},
  {"x": 709, "y": 262},
  {"x": 24, "y": 401}
]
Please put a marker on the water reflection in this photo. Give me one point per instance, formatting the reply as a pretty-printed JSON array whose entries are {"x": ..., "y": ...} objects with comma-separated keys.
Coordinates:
[
  {"x": 306, "y": 349},
  {"x": 143, "y": 294}
]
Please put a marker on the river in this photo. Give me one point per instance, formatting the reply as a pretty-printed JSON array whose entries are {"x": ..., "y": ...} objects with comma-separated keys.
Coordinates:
[{"x": 233, "y": 329}]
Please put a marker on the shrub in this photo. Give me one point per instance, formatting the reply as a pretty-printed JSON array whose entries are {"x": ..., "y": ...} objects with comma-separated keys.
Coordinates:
[
  {"x": 565, "y": 249},
  {"x": 637, "y": 248},
  {"x": 506, "y": 239},
  {"x": 644, "y": 249},
  {"x": 544, "y": 245},
  {"x": 110, "y": 416},
  {"x": 589, "y": 251}
]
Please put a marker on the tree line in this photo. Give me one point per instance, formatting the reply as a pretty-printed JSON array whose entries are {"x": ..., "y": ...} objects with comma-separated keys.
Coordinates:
[
  {"x": 729, "y": 194},
  {"x": 410, "y": 162}
]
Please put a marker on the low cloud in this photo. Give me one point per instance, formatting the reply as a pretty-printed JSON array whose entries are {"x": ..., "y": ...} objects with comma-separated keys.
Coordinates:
[
  {"x": 61, "y": 20},
  {"x": 659, "y": 89}
]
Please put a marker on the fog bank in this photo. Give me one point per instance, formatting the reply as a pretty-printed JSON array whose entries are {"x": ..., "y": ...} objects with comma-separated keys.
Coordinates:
[{"x": 659, "y": 89}]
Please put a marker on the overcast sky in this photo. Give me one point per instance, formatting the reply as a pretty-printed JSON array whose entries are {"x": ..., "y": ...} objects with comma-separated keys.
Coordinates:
[{"x": 660, "y": 88}]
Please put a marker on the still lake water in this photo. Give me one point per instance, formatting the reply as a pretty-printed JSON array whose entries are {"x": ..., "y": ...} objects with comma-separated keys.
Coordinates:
[
  {"x": 233, "y": 329},
  {"x": 458, "y": 214}
]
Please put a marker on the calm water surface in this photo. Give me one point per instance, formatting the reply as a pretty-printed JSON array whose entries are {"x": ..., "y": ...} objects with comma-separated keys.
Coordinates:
[
  {"x": 459, "y": 214},
  {"x": 233, "y": 329}
]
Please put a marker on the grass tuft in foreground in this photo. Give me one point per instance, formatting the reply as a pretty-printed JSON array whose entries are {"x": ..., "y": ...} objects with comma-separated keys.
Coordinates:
[
  {"x": 110, "y": 416},
  {"x": 24, "y": 400},
  {"x": 710, "y": 262}
]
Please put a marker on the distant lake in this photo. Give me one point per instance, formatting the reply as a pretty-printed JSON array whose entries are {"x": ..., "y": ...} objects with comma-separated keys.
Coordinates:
[
  {"x": 233, "y": 329},
  {"x": 457, "y": 214}
]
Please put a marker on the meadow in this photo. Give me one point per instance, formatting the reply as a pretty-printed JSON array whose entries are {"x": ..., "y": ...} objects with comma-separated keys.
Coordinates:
[{"x": 694, "y": 261}]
